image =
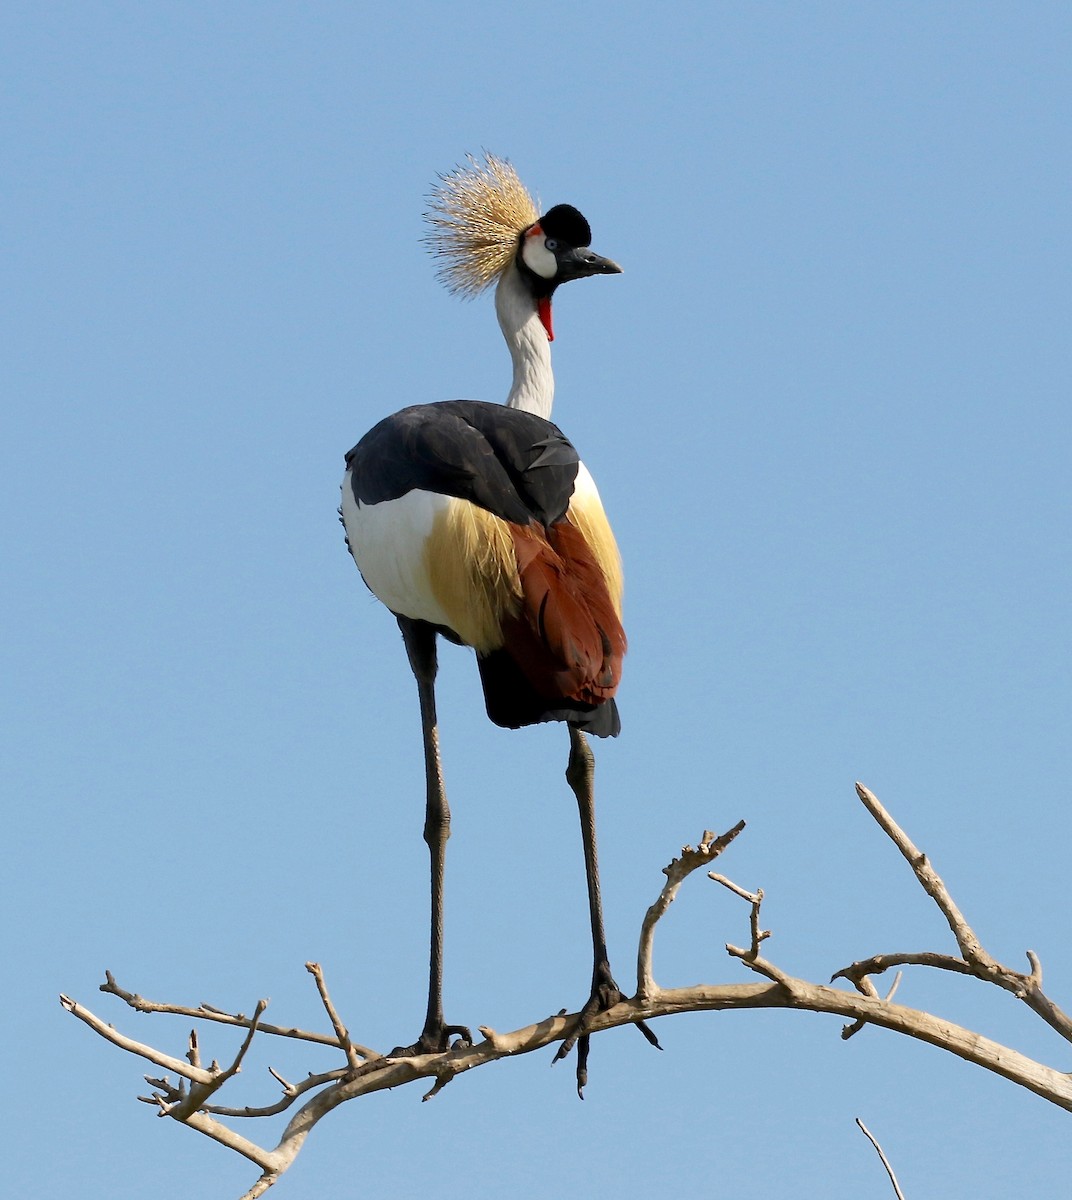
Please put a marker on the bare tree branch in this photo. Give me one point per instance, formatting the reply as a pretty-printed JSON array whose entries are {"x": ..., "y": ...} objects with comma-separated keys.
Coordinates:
[
  {"x": 109, "y": 1033},
  {"x": 364, "y": 1072},
  {"x": 209, "y": 1012},
  {"x": 291, "y": 1092},
  {"x": 975, "y": 960},
  {"x": 753, "y": 898},
  {"x": 676, "y": 873},
  {"x": 969, "y": 944},
  {"x": 354, "y": 1054}
]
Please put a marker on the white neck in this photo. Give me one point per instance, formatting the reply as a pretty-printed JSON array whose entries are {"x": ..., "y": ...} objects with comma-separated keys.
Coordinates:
[{"x": 533, "y": 388}]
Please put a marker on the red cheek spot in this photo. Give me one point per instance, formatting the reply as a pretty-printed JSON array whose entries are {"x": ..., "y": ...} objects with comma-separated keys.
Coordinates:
[{"x": 543, "y": 307}]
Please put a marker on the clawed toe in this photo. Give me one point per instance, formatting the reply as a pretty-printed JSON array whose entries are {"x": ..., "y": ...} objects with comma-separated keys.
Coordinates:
[
  {"x": 435, "y": 1041},
  {"x": 605, "y": 995}
]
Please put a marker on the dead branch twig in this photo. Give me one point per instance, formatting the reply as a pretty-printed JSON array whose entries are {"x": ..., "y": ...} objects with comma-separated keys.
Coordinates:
[
  {"x": 885, "y": 1161},
  {"x": 354, "y": 1054},
  {"x": 676, "y": 873},
  {"x": 364, "y": 1072},
  {"x": 209, "y": 1012},
  {"x": 974, "y": 960}
]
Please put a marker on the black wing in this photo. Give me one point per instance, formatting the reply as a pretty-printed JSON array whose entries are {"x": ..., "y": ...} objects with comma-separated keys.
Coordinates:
[{"x": 512, "y": 463}]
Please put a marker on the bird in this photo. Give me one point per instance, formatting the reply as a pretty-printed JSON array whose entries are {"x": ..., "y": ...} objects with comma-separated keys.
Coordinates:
[{"x": 478, "y": 522}]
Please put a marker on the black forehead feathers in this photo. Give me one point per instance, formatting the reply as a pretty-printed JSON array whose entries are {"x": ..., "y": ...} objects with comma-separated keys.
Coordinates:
[{"x": 566, "y": 224}]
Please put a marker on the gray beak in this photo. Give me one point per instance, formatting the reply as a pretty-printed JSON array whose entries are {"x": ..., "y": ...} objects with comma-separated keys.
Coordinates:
[{"x": 577, "y": 264}]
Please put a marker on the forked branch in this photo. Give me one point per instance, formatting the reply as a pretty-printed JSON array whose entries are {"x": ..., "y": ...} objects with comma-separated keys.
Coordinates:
[
  {"x": 362, "y": 1071},
  {"x": 973, "y": 960}
]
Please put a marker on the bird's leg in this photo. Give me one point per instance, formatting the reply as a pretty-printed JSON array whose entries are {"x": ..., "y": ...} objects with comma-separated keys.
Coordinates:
[
  {"x": 580, "y": 774},
  {"x": 419, "y": 638}
]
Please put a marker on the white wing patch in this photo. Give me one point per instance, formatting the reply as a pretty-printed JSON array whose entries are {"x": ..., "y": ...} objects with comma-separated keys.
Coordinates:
[
  {"x": 436, "y": 558},
  {"x": 387, "y": 541}
]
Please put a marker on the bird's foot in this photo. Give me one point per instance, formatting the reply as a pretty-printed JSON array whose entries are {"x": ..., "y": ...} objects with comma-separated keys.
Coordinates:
[
  {"x": 435, "y": 1039},
  {"x": 605, "y": 995}
]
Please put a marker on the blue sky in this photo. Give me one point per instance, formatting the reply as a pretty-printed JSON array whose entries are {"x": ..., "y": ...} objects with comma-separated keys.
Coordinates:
[{"x": 827, "y": 408}]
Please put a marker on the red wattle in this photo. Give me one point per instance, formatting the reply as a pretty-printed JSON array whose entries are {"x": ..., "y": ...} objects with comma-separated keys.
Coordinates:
[{"x": 543, "y": 307}]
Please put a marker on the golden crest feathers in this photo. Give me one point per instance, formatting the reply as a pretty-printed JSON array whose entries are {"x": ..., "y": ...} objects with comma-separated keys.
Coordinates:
[{"x": 476, "y": 213}]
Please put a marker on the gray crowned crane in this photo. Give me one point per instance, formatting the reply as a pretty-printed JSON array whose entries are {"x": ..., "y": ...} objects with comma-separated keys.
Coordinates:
[{"x": 479, "y": 522}]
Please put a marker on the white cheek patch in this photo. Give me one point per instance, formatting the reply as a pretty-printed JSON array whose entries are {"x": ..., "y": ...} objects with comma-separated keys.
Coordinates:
[{"x": 539, "y": 260}]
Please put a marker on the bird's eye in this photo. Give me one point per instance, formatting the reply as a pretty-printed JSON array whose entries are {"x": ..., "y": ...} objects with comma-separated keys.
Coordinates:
[{"x": 550, "y": 243}]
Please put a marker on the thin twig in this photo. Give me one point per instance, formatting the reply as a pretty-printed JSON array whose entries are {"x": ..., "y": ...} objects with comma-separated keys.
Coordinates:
[
  {"x": 755, "y": 899},
  {"x": 353, "y": 1055},
  {"x": 209, "y": 1012},
  {"x": 970, "y": 946},
  {"x": 200, "y": 1092},
  {"x": 109, "y": 1033},
  {"x": 291, "y": 1092},
  {"x": 976, "y": 960},
  {"x": 883, "y": 962},
  {"x": 885, "y": 1161},
  {"x": 676, "y": 873}
]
